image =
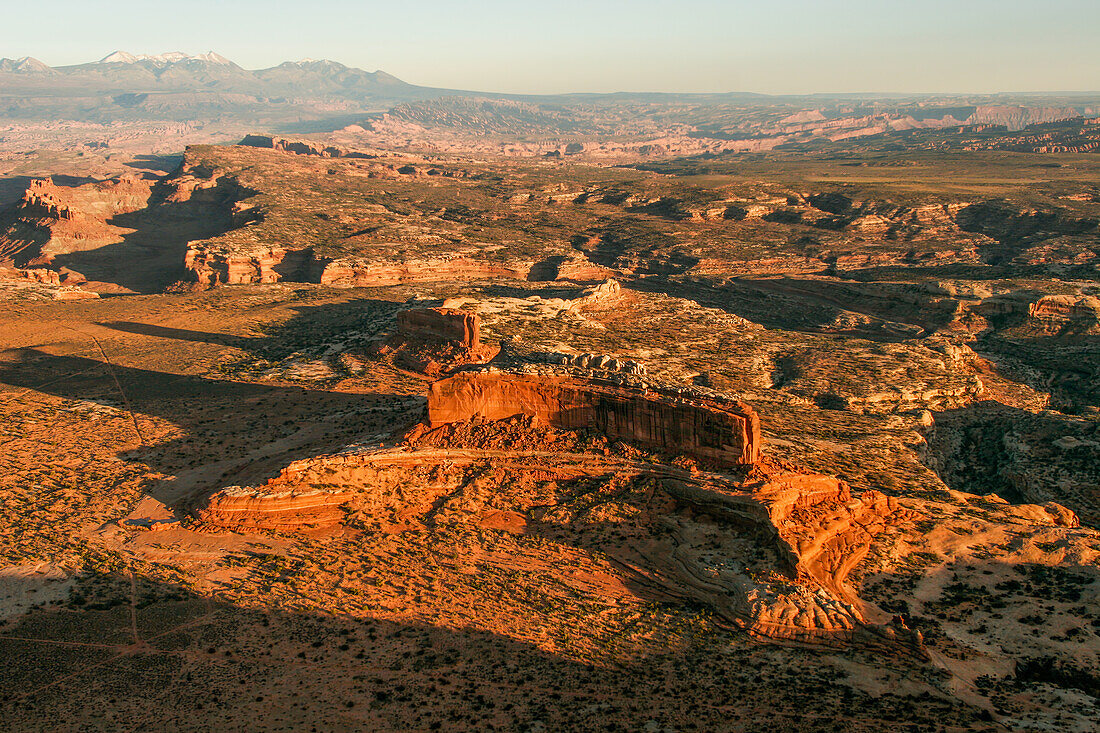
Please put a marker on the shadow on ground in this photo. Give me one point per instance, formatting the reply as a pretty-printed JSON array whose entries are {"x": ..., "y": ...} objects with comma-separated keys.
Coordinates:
[
  {"x": 151, "y": 257},
  {"x": 130, "y": 652},
  {"x": 226, "y": 432}
]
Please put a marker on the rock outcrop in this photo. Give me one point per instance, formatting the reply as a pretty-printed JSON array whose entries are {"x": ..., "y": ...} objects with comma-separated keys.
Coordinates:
[
  {"x": 723, "y": 433},
  {"x": 606, "y": 291},
  {"x": 819, "y": 533},
  {"x": 302, "y": 147},
  {"x": 435, "y": 341},
  {"x": 799, "y": 534},
  {"x": 245, "y": 508},
  {"x": 1066, "y": 312},
  {"x": 209, "y": 264},
  {"x": 52, "y": 220},
  {"x": 458, "y": 327},
  {"x": 261, "y": 266}
]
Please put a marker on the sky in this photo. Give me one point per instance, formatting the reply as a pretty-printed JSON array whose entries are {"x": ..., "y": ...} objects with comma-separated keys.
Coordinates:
[{"x": 550, "y": 46}]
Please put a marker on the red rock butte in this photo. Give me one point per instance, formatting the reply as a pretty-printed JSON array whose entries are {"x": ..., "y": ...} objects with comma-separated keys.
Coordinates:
[
  {"x": 722, "y": 433},
  {"x": 444, "y": 324}
]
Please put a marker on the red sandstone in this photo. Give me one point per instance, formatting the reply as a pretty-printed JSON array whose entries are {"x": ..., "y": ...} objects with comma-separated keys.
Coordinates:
[
  {"x": 725, "y": 434},
  {"x": 444, "y": 324}
]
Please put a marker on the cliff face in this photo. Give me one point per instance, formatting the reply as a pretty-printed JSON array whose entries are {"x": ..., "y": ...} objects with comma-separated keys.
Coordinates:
[
  {"x": 268, "y": 265},
  {"x": 276, "y": 264},
  {"x": 445, "y": 324},
  {"x": 53, "y": 220},
  {"x": 1056, "y": 313},
  {"x": 1017, "y": 118},
  {"x": 124, "y": 233},
  {"x": 301, "y": 147},
  {"x": 436, "y": 341},
  {"x": 727, "y": 434}
]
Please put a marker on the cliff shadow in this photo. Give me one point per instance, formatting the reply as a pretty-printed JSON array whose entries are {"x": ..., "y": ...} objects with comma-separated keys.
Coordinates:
[
  {"x": 11, "y": 189},
  {"x": 126, "y": 651},
  {"x": 789, "y": 311},
  {"x": 158, "y": 163},
  {"x": 965, "y": 271},
  {"x": 151, "y": 256},
  {"x": 1065, "y": 365},
  {"x": 1031, "y": 600},
  {"x": 208, "y": 433},
  {"x": 1014, "y": 229},
  {"x": 1021, "y": 456},
  {"x": 183, "y": 334},
  {"x": 312, "y": 328}
]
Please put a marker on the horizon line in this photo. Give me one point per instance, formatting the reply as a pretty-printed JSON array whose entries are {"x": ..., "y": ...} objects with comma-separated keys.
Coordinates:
[{"x": 833, "y": 93}]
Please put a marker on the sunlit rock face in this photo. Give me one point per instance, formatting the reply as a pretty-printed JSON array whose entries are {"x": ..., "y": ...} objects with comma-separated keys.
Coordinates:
[{"x": 727, "y": 434}]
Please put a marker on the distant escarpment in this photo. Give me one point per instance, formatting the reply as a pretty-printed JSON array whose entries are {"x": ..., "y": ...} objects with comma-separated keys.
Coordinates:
[
  {"x": 302, "y": 147},
  {"x": 127, "y": 233},
  {"x": 334, "y": 215},
  {"x": 275, "y": 264}
]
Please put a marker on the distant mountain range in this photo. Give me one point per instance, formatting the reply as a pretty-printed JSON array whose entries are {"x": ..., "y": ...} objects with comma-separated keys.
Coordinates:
[
  {"x": 207, "y": 72},
  {"x": 172, "y": 57},
  {"x": 208, "y": 91},
  {"x": 181, "y": 86},
  {"x": 25, "y": 65}
]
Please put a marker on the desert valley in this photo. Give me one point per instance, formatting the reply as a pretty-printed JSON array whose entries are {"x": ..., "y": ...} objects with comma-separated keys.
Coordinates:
[{"x": 331, "y": 402}]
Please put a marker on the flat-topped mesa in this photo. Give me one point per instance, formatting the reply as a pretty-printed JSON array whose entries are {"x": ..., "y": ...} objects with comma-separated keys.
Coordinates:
[
  {"x": 301, "y": 147},
  {"x": 722, "y": 433},
  {"x": 441, "y": 324}
]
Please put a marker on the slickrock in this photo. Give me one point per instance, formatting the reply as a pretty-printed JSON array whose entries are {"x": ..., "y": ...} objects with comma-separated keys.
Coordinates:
[
  {"x": 597, "y": 294},
  {"x": 809, "y": 523},
  {"x": 819, "y": 534},
  {"x": 242, "y": 508},
  {"x": 824, "y": 530}
]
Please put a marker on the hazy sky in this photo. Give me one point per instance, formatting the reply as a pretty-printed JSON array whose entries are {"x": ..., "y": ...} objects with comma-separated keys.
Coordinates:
[{"x": 791, "y": 46}]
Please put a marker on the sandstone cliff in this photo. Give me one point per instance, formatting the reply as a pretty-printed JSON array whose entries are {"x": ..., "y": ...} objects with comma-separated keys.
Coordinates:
[{"x": 727, "y": 433}]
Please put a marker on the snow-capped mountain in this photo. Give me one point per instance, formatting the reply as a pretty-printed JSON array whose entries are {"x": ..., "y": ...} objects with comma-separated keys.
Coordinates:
[
  {"x": 181, "y": 86},
  {"x": 171, "y": 57},
  {"x": 25, "y": 65}
]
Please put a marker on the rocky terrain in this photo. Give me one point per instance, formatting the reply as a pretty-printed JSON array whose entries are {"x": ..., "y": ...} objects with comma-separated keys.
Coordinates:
[
  {"x": 619, "y": 127},
  {"x": 314, "y": 431}
]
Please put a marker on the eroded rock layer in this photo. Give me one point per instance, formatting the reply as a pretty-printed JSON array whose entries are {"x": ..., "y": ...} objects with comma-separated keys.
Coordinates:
[
  {"x": 444, "y": 324},
  {"x": 797, "y": 535},
  {"x": 246, "y": 509},
  {"x": 723, "y": 433}
]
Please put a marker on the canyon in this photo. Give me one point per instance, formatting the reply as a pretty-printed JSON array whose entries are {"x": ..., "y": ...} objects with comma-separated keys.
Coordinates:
[{"x": 476, "y": 413}]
